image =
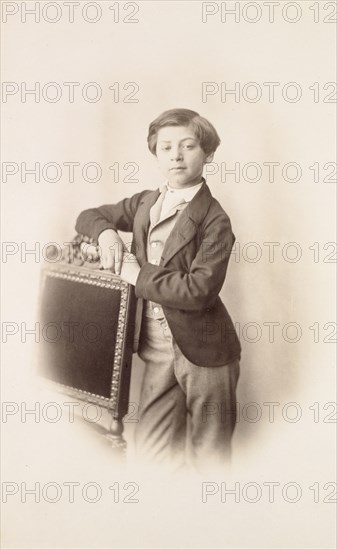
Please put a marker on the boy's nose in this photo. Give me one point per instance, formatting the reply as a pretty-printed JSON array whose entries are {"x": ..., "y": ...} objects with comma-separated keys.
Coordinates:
[{"x": 177, "y": 154}]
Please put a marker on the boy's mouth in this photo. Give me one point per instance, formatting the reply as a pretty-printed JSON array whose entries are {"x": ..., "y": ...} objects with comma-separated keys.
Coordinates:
[{"x": 178, "y": 168}]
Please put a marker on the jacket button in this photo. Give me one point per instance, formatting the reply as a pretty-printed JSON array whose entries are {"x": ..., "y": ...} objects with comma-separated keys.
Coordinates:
[
  {"x": 154, "y": 262},
  {"x": 156, "y": 309}
]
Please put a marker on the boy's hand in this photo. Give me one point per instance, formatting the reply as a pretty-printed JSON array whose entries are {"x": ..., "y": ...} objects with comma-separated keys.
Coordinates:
[
  {"x": 110, "y": 249},
  {"x": 89, "y": 252},
  {"x": 130, "y": 269}
]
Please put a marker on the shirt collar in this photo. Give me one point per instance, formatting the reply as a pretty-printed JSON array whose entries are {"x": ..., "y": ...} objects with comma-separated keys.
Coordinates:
[{"x": 185, "y": 193}]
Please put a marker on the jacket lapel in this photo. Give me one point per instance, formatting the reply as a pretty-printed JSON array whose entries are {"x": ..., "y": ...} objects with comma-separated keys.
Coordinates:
[
  {"x": 187, "y": 224},
  {"x": 182, "y": 233}
]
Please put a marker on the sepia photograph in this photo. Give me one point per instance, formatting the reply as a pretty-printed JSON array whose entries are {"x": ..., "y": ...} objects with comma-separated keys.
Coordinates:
[{"x": 168, "y": 269}]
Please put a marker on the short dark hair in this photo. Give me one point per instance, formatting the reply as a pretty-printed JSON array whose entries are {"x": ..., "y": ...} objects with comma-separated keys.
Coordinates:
[{"x": 202, "y": 128}]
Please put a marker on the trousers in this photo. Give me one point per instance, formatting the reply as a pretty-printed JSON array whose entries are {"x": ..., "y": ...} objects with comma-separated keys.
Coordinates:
[{"x": 187, "y": 413}]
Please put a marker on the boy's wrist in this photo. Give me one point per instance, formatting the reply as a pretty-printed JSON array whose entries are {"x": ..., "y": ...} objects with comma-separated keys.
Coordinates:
[
  {"x": 130, "y": 269},
  {"x": 144, "y": 271},
  {"x": 103, "y": 230}
]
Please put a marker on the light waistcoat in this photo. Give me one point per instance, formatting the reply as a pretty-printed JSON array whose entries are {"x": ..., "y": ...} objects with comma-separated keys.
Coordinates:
[{"x": 157, "y": 235}]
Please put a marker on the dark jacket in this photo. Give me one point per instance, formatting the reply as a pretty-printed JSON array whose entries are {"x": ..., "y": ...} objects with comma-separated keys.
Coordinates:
[{"x": 191, "y": 272}]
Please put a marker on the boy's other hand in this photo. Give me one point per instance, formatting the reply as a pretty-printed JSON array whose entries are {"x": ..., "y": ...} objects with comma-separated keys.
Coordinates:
[
  {"x": 111, "y": 249},
  {"x": 130, "y": 269}
]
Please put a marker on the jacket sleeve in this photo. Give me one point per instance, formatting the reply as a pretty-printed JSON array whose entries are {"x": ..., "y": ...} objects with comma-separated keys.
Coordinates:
[
  {"x": 200, "y": 287},
  {"x": 117, "y": 216}
]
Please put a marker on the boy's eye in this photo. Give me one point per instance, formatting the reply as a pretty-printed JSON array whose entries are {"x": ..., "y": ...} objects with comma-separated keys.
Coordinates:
[
  {"x": 189, "y": 145},
  {"x": 166, "y": 148}
]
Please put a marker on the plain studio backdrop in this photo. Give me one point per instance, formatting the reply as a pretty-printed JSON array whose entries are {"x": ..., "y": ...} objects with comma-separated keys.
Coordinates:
[{"x": 99, "y": 81}]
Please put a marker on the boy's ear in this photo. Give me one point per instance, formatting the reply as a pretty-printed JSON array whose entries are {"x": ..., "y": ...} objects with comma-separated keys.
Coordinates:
[{"x": 209, "y": 158}]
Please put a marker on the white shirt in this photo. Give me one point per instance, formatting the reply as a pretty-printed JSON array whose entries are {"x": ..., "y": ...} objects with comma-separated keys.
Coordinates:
[{"x": 174, "y": 196}]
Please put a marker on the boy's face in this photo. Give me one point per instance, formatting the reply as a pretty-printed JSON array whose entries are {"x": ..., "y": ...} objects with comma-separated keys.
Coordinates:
[{"x": 180, "y": 157}]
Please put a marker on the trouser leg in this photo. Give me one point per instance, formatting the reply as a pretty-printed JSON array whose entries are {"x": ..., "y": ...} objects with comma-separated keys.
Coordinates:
[
  {"x": 161, "y": 430},
  {"x": 211, "y": 411}
]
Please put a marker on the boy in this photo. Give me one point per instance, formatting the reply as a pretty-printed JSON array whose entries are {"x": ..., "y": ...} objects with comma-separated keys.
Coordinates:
[{"x": 182, "y": 240}]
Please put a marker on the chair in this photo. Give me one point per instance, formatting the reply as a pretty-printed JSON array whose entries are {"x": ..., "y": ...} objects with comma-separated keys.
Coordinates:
[{"x": 87, "y": 319}]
